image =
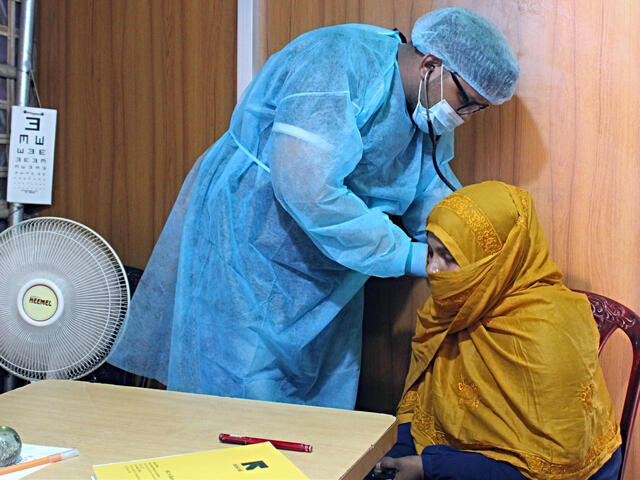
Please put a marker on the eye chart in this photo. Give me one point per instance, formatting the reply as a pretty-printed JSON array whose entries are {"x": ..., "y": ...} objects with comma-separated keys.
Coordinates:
[{"x": 31, "y": 148}]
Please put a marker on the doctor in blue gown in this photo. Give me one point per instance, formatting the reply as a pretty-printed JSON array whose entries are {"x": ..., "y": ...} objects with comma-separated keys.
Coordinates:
[{"x": 255, "y": 287}]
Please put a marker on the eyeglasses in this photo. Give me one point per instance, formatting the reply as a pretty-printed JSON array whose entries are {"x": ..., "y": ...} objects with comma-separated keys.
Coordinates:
[{"x": 468, "y": 106}]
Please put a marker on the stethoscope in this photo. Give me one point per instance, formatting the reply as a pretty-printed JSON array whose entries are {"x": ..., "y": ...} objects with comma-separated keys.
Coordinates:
[{"x": 432, "y": 136}]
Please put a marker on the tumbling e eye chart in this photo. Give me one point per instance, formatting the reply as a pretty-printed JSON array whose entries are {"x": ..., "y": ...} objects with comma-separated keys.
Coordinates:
[{"x": 31, "y": 148}]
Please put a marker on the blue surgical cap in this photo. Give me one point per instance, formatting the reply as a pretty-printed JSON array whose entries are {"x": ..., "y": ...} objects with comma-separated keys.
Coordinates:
[{"x": 471, "y": 46}]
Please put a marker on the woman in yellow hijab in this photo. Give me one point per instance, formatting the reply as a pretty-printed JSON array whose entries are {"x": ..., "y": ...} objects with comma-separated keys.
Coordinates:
[{"x": 504, "y": 379}]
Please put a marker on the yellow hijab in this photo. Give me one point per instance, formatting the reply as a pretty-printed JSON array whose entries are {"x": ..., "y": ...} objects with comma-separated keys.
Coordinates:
[{"x": 505, "y": 357}]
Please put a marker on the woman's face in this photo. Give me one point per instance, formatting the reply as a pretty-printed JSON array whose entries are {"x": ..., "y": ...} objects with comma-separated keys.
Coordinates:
[{"x": 439, "y": 259}]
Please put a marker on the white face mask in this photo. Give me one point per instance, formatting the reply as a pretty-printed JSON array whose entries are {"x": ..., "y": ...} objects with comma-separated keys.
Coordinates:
[{"x": 443, "y": 118}]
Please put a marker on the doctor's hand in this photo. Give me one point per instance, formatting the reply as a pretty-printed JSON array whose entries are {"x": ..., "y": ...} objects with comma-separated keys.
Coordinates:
[{"x": 406, "y": 468}]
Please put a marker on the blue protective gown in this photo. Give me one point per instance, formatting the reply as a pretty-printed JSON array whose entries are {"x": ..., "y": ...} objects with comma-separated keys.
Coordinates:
[{"x": 255, "y": 287}]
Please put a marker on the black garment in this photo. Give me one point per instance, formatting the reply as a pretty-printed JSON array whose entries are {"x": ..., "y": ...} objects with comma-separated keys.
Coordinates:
[{"x": 442, "y": 462}]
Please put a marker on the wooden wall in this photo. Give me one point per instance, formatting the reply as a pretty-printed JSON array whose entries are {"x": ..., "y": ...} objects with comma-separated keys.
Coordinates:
[
  {"x": 569, "y": 136},
  {"x": 142, "y": 88}
]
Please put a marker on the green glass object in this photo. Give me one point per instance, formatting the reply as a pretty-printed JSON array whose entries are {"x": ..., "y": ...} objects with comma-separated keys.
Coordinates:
[{"x": 10, "y": 446}]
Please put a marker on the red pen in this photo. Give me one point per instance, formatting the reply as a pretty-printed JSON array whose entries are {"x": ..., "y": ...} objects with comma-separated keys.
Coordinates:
[{"x": 241, "y": 440}]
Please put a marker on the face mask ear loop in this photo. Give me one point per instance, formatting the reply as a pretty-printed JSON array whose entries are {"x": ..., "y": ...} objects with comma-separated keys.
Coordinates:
[
  {"x": 420, "y": 91},
  {"x": 434, "y": 141}
]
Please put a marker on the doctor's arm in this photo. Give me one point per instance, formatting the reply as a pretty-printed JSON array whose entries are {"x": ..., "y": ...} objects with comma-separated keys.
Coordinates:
[{"x": 314, "y": 145}]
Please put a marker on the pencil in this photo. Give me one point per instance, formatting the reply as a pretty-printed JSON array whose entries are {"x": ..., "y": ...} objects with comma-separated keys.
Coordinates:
[{"x": 56, "y": 457}]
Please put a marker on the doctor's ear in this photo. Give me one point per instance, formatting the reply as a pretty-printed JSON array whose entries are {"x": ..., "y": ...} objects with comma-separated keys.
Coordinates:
[{"x": 428, "y": 63}]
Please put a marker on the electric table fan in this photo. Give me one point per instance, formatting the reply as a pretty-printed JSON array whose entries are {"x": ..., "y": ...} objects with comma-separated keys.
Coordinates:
[{"x": 63, "y": 297}]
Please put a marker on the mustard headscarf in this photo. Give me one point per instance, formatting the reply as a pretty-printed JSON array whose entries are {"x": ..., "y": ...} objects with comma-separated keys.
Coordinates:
[{"x": 505, "y": 357}]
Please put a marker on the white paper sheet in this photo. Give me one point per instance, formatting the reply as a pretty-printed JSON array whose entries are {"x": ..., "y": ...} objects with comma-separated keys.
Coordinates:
[{"x": 32, "y": 452}]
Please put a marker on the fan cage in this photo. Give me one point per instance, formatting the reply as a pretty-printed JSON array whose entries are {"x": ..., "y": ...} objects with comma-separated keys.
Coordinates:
[{"x": 96, "y": 291}]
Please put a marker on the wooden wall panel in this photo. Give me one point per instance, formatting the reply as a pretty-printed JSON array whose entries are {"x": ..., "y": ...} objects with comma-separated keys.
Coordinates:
[
  {"x": 569, "y": 136},
  {"x": 142, "y": 88}
]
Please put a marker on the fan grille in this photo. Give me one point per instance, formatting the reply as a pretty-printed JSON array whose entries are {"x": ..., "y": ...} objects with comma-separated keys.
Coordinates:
[{"x": 92, "y": 281}]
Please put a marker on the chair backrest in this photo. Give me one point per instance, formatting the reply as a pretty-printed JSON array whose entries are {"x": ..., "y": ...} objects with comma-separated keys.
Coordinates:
[
  {"x": 609, "y": 316},
  {"x": 133, "y": 276}
]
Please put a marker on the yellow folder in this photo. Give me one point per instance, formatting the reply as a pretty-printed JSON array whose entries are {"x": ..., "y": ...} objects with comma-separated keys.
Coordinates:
[{"x": 260, "y": 461}]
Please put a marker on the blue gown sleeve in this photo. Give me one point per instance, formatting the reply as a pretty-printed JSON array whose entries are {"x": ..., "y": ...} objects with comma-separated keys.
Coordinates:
[
  {"x": 314, "y": 144},
  {"x": 417, "y": 261}
]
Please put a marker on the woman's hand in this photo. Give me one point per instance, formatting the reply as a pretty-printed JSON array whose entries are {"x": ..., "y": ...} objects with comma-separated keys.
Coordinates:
[{"x": 406, "y": 468}]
